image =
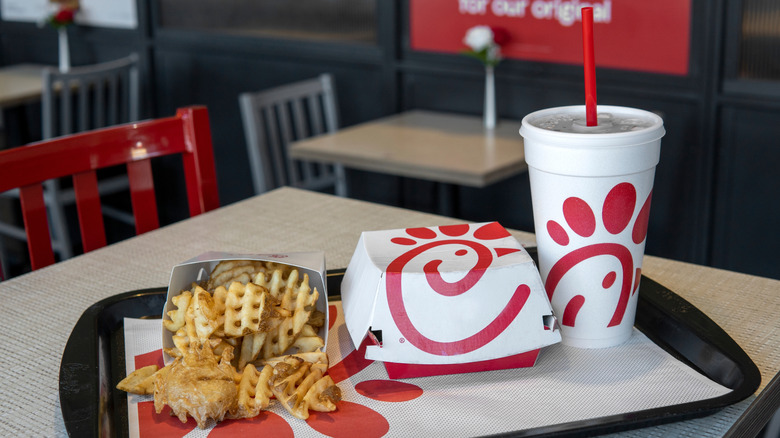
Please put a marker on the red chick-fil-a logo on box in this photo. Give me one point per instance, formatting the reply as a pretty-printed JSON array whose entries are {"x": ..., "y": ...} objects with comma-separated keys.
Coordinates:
[{"x": 427, "y": 244}]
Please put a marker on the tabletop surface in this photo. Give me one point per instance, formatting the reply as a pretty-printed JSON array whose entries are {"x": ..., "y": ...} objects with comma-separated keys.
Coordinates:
[
  {"x": 20, "y": 83},
  {"x": 40, "y": 309},
  {"x": 441, "y": 147}
]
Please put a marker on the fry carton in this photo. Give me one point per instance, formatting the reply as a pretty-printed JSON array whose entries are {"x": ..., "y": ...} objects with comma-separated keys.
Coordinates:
[
  {"x": 198, "y": 269},
  {"x": 446, "y": 300}
]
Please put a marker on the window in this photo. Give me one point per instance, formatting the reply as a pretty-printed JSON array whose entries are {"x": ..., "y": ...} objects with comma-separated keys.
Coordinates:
[
  {"x": 759, "y": 47},
  {"x": 328, "y": 20}
]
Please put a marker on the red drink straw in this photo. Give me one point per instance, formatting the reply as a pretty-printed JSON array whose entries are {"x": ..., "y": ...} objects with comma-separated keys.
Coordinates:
[{"x": 591, "y": 117}]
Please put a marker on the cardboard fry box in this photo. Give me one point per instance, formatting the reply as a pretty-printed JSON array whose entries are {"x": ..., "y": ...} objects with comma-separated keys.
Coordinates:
[
  {"x": 198, "y": 269},
  {"x": 446, "y": 300}
]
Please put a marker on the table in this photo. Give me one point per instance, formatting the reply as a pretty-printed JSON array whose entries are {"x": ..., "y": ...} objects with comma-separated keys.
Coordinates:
[
  {"x": 21, "y": 83},
  {"x": 39, "y": 309},
  {"x": 447, "y": 148}
]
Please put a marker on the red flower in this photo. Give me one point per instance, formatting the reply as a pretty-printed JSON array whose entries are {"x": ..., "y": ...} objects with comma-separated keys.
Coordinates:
[
  {"x": 500, "y": 35},
  {"x": 65, "y": 15}
]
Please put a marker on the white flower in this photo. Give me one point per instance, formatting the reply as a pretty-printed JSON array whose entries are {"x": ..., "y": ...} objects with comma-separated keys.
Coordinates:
[{"x": 479, "y": 38}]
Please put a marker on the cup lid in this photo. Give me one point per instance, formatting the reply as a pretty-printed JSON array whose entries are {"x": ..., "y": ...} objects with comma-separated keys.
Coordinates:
[
  {"x": 594, "y": 136},
  {"x": 593, "y": 153}
]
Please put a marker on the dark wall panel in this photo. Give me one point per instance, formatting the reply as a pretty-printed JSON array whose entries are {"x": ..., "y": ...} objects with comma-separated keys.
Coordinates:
[
  {"x": 678, "y": 209},
  {"x": 748, "y": 193},
  {"x": 26, "y": 43},
  {"x": 216, "y": 80}
]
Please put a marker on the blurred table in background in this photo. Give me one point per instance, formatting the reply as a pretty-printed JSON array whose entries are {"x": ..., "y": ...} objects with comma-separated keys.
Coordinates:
[
  {"x": 451, "y": 149},
  {"x": 19, "y": 85}
]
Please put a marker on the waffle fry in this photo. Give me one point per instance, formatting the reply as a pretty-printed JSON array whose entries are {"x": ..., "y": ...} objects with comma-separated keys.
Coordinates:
[
  {"x": 308, "y": 343},
  {"x": 299, "y": 386},
  {"x": 243, "y": 271},
  {"x": 245, "y": 309},
  {"x": 284, "y": 337},
  {"x": 316, "y": 319},
  {"x": 254, "y": 393},
  {"x": 258, "y": 317},
  {"x": 140, "y": 381},
  {"x": 305, "y": 303},
  {"x": 289, "y": 386},
  {"x": 251, "y": 346},
  {"x": 317, "y": 359},
  {"x": 220, "y": 298},
  {"x": 181, "y": 343},
  {"x": 182, "y": 303},
  {"x": 201, "y": 315},
  {"x": 248, "y": 309},
  {"x": 323, "y": 395},
  {"x": 228, "y": 271},
  {"x": 273, "y": 281}
]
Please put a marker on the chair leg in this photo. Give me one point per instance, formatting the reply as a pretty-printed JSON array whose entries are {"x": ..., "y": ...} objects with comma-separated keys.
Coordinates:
[
  {"x": 3, "y": 261},
  {"x": 772, "y": 428},
  {"x": 58, "y": 223},
  {"x": 341, "y": 180}
]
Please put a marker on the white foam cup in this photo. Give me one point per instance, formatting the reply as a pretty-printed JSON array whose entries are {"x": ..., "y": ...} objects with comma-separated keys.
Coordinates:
[{"x": 591, "y": 189}]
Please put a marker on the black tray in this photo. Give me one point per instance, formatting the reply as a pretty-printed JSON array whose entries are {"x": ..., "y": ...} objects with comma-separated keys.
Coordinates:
[{"x": 94, "y": 362}]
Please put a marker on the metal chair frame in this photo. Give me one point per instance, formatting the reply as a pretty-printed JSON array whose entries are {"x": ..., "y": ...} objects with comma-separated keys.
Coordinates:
[
  {"x": 275, "y": 118},
  {"x": 84, "y": 98},
  {"x": 81, "y": 155}
]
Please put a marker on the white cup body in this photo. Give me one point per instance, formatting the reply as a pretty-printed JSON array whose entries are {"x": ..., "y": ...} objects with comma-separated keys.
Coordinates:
[{"x": 591, "y": 196}]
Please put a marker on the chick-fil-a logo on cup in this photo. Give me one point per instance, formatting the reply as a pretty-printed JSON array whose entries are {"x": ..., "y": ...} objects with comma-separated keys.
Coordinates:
[
  {"x": 617, "y": 213},
  {"x": 428, "y": 243}
]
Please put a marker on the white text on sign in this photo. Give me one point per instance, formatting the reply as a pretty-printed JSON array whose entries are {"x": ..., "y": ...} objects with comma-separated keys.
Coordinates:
[{"x": 566, "y": 12}]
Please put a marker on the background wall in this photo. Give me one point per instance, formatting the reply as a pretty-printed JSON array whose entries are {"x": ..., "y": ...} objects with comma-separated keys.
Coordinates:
[{"x": 716, "y": 190}]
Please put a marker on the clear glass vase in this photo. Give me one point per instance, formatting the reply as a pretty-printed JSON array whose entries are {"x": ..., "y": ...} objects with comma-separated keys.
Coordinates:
[
  {"x": 64, "y": 49},
  {"x": 489, "y": 112}
]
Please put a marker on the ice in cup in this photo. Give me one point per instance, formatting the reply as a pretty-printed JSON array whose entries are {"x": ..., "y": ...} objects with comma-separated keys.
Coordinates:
[{"x": 591, "y": 189}]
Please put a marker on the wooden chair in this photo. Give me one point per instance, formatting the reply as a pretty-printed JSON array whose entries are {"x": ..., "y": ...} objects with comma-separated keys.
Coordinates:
[
  {"x": 277, "y": 117},
  {"x": 86, "y": 97},
  {"x": 80, "y": 155}
]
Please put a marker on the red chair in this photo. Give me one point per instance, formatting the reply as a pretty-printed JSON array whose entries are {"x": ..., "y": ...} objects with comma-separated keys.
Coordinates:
[{"x": 134, "y": 144}]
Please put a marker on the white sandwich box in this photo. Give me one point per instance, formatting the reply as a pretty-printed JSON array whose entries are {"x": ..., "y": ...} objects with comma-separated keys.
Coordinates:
[{"x": 446, "y": 300}]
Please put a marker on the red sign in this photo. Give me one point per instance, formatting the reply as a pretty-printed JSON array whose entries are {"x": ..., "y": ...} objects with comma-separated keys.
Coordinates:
[{"x": 630, "y": 35}]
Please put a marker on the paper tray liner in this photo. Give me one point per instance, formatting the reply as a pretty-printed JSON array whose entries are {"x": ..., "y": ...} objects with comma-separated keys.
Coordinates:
[{"x": 602, "y": 382}]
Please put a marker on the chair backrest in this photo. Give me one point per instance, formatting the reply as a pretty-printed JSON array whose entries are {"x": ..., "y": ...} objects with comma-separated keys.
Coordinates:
[
  {"x": 277, "y": 117},
  {"x": 187, "y": 133},
  {"x": 85, "y": 98},
  {"x": 100, "y": 95}
]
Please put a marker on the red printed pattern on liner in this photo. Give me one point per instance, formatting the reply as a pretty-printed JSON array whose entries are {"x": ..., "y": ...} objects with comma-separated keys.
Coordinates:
[{"x": 349, "y": 420}]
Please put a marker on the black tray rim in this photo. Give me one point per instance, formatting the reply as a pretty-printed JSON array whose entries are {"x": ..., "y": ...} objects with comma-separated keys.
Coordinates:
[{"x": 81, "y": 355}]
